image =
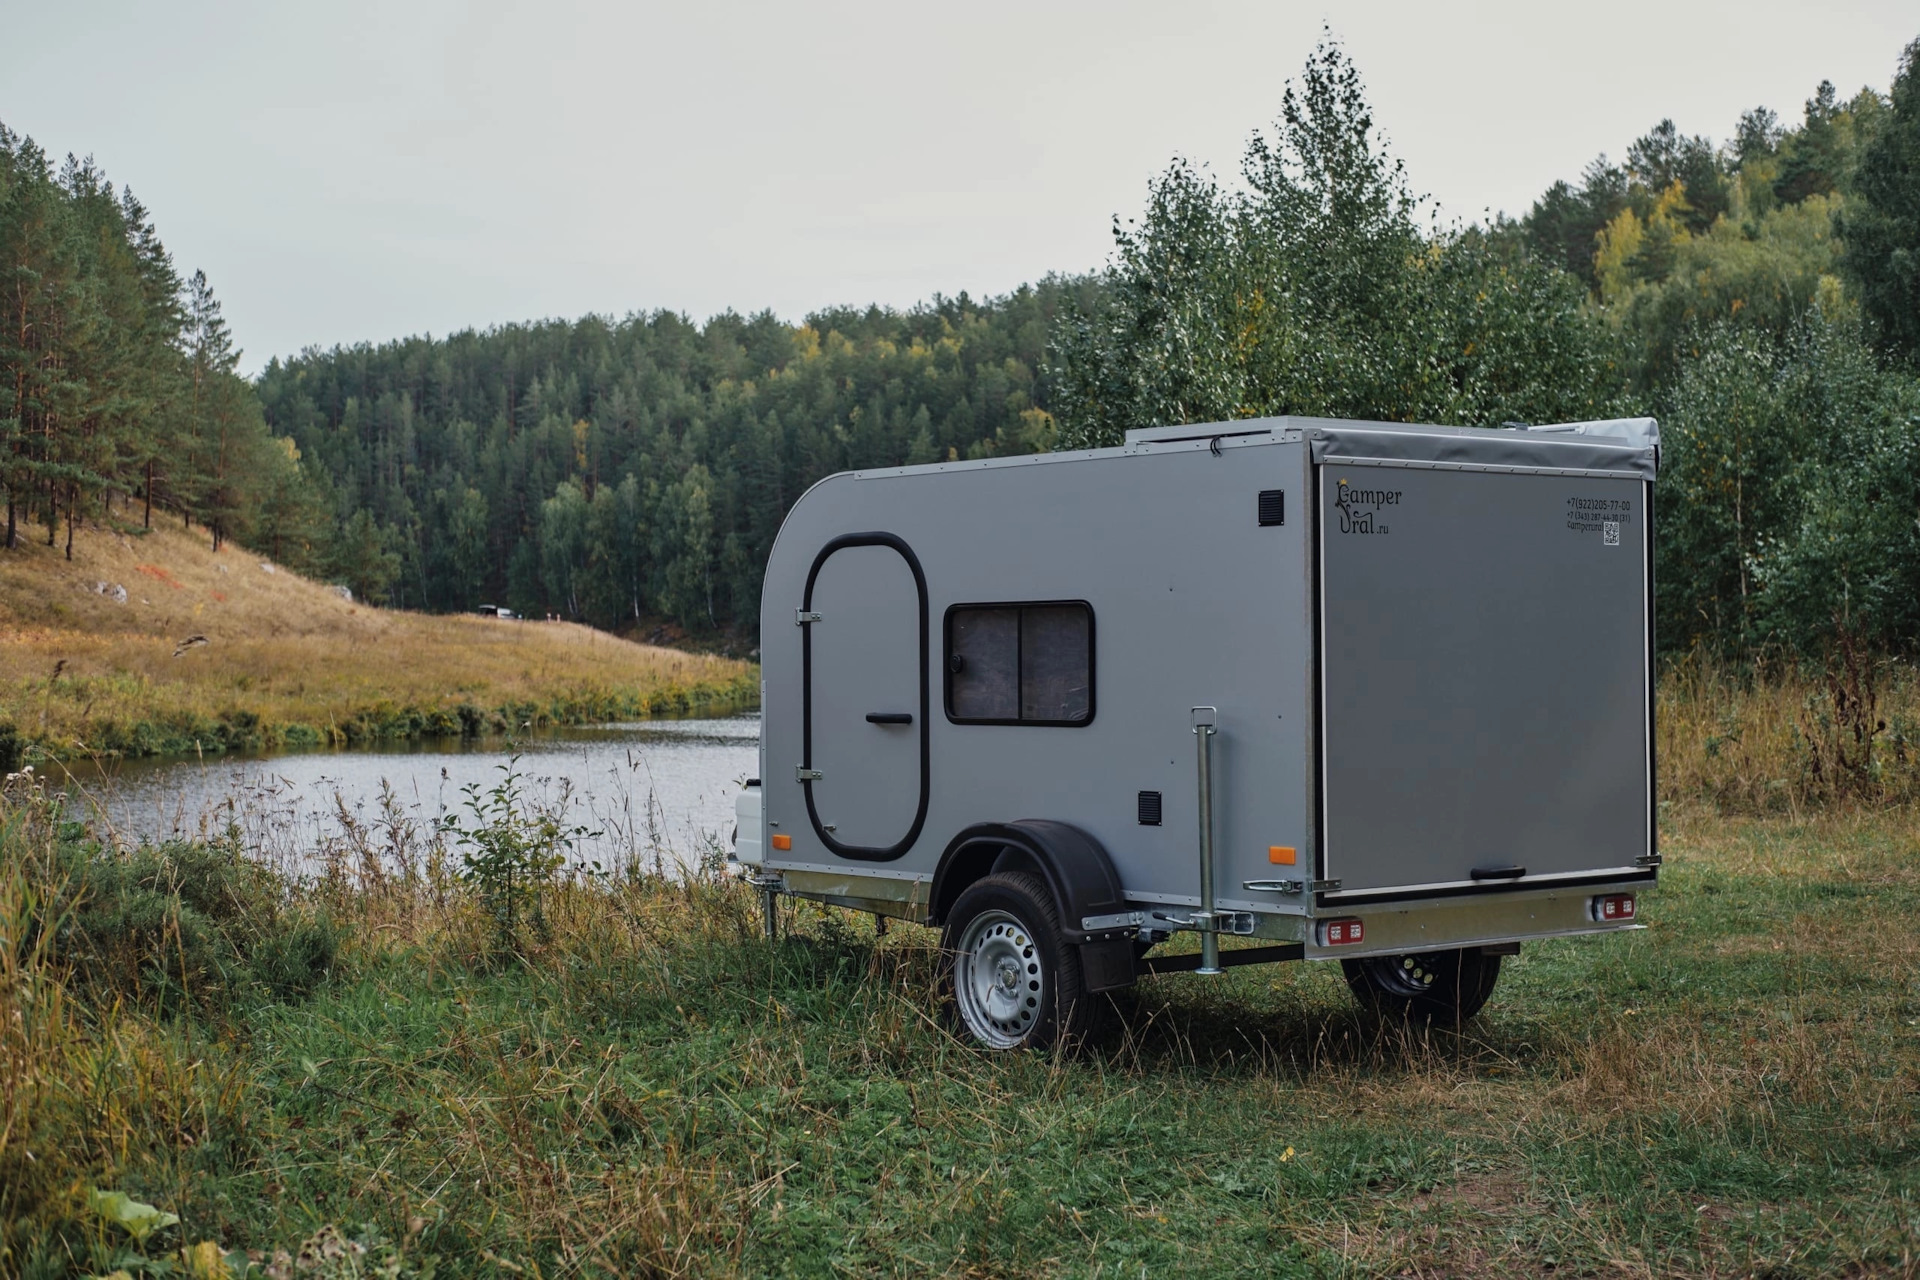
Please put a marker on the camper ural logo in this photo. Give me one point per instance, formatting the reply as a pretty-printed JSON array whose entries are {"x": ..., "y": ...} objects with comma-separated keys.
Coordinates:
[{"x": 1360, "y": 509}]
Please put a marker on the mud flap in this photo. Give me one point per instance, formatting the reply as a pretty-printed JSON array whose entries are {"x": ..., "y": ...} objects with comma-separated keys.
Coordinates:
[{"x": 1107, "y": 966}]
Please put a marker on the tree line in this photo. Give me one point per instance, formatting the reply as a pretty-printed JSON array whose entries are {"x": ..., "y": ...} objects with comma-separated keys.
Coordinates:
[
  {"x": 1760, "y": 295},
  {"x": 117, "y": 377},
  {"x": 615, "y": 470}
]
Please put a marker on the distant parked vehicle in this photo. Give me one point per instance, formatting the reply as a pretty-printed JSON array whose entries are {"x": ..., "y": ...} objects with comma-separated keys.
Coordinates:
[
  {"x": 1394, "y": 681},
  {"x": 495, "y": 611}
]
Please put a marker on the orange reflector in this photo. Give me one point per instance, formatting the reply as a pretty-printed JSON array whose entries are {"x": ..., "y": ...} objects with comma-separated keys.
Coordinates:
[
  {"x": 783, "y": 843},
  {"x": 1280, "y": 853}
]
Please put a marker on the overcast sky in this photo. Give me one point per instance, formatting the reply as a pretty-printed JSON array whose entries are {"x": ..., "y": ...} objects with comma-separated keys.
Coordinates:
[{"x": 357, "y": 170}]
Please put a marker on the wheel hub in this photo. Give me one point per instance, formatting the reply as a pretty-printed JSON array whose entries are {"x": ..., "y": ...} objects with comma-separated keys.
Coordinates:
[
  {"x": 1404, "y": 975},
  {"x": 998, "y": 979}
]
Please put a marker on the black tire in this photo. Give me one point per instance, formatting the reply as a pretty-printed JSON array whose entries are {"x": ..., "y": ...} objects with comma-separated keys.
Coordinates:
[
  {"x": 1445, "y": 987},
  {"x": 1032, "y": 995}
]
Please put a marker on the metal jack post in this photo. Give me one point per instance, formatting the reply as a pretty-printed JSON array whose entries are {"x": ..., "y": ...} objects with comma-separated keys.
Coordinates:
[
  {"x": 1206, "y": 920},
  {"x": 770, "y": 910}
]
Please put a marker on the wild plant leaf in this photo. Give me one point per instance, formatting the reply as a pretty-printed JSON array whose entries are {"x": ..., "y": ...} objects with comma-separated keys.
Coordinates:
[{"x": 140, "y": 1220}]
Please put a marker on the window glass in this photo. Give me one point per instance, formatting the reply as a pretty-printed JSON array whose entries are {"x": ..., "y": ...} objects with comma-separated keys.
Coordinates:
[
  {"x": 1056, "y": 675},
  {"x": 984, "y": 664},
  {"x": 1015, "y": 664}
]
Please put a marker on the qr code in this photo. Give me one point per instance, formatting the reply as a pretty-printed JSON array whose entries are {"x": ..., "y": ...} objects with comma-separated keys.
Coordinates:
[{"x": 1609, "y": 533}]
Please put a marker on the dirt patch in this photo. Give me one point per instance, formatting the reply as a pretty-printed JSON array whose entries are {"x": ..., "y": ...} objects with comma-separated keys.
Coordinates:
[{"x": 1495, "y": 1194}]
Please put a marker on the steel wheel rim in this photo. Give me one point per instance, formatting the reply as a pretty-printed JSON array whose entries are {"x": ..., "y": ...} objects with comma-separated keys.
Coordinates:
[
  {"x": 998, "y": 977},
  {"x": 1404, "y": 976}
]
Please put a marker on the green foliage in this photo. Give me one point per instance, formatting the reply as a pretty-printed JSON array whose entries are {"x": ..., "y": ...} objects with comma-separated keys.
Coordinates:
[
  {"x": 610, "y": 470},
  {"x": 139, "y": 1220},
  {"x": 1315, "y": 292},
  {"x": 665, "y": 1093},
  {"x": 1686, "y": 234},
  {"x": 1764, "y": 272},
  {"x": 1735, "y": 281},
  {"x": 635, "y": 470},
  {"x": 181, "y": 926},
  {"x": 119, "y": 378},
  {"x": 510, "y": 852},
  {"x": 1788, "y": 494},
  {"x": 1882, "y": 227},
  {"x": 361, "y": 558}
]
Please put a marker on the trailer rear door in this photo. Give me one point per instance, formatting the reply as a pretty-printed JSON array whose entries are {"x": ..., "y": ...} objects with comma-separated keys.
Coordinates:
[{"x": 1485, "y": 677}]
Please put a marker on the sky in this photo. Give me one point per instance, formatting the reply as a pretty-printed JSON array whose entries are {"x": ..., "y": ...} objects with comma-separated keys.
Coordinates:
[{"x": 359, "y": 171}]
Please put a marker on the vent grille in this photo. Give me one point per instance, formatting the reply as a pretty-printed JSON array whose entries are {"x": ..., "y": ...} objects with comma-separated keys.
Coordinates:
[
  {"x": 1273, "y": 506},
  {"x": 1149, "y": 808}
]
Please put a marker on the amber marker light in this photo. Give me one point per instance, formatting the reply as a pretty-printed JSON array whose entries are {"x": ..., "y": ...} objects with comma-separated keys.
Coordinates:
[
  {"x": 783, "y": 843},
  {"x": 1280, "y": 854}
]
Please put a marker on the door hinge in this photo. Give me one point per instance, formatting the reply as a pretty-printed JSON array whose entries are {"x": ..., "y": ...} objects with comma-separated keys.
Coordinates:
[
  {"x": 1649, "y": 860},
  {"x": 801, "y": 617},
  {"x": 803, "y": 774},
  {"x": 1325, "y": 886}
]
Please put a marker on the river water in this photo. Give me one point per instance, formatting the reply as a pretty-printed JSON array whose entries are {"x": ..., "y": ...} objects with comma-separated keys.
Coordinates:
[{"x": 657, "y": 793}]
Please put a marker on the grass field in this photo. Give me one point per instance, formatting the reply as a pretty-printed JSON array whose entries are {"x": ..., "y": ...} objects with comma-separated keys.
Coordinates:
[
  {"x": 653, "y": 1090},
  {"x": 285, "y": 661}
]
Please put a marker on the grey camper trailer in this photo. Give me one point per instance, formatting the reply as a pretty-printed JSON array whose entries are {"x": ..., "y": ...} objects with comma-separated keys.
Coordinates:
[{"x": 1308, "y": 689}]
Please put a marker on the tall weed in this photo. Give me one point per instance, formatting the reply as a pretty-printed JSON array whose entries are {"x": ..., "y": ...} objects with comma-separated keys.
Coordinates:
[{"x": 1788, "y": 737}]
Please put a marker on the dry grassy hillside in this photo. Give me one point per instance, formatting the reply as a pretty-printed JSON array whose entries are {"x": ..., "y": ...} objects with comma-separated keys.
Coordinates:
[{"x": 152, "y": 642}]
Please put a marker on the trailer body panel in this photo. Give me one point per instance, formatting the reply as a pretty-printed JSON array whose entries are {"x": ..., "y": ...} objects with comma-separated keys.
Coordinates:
[
  {"x": 1117, "y": 529},
  {"x": 1485, "y": 667}
]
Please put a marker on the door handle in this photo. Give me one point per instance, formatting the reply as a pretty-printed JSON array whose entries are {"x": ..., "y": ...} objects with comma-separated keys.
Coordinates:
[
  {"x": 889, "y": 717},
  {"x": 1511, "y": 871}
]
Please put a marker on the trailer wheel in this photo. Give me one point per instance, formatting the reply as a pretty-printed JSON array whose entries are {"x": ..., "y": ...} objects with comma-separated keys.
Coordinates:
[
  {"x": 1007, "y": 978},
  {"x": 1435, "y": 986}
]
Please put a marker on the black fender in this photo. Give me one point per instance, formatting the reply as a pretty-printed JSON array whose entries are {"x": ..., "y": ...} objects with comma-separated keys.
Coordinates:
[{"x": 1075, "y": 867}]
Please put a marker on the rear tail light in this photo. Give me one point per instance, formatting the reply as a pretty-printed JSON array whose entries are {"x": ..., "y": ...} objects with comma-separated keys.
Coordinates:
[
  {"x": 1613, "y": 908},
  {"x": 1342, "y": 933}
]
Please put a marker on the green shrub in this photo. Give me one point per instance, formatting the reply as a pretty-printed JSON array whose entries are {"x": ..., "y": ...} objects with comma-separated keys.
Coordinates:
[{"x": 171, "y": 927}]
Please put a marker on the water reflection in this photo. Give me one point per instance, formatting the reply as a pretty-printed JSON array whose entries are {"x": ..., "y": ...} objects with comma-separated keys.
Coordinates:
[{"x": 655, "y": 793}]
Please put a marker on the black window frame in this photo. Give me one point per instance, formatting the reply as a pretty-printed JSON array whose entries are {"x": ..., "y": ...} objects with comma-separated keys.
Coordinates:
[{"x": 1020, "y": 606}]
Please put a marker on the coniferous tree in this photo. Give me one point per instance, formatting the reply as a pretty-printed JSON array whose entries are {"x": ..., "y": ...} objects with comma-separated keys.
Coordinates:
[{"x": 1882, "y": 229}]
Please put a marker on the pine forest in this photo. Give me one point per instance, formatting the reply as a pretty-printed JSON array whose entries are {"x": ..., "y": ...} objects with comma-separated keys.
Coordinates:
[{"x": 1759, "y": 293}]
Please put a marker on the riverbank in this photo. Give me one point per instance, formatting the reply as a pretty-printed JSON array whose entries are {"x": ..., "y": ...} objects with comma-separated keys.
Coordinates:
[
  {"x": 152, "y": 644},
  {"x": 640, "y": 1085}
]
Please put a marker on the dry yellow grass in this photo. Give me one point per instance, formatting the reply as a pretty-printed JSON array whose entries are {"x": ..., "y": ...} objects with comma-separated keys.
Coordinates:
[
  {"x": 288, "y": 660},
  {"x": 1787, "y": 740}
]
